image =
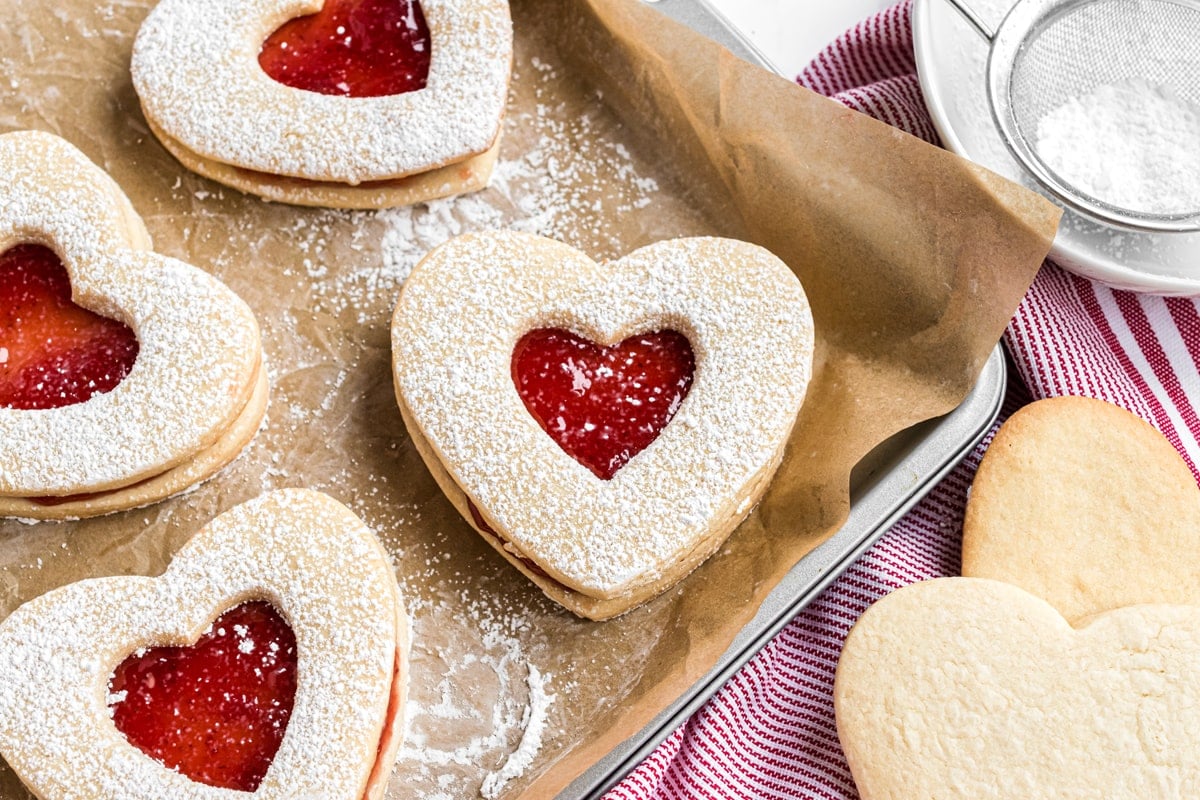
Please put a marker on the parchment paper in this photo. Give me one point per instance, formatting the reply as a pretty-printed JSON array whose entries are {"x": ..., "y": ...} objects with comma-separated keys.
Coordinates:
[{"x": 623, "y": 128}]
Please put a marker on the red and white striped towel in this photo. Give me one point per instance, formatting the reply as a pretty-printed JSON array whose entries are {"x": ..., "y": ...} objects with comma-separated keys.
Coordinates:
[{"x": 769, "y": 733}]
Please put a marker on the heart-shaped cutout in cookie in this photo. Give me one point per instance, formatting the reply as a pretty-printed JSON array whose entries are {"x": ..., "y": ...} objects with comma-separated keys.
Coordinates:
[
  {"x": 967, "y": 688},
  {"x": 603, "y": 404},
  {"x": 1086, "y": 506},
  {"x": 195, "y": 392},
  {"x": 215, "y": 711},
  {"x": 353, "y": 48},
  {"x": 225, "y": 117},
  {"x": 601, "y": 547},
  {"x": 297, "y": 552},
  {"x": 54, "y": 353}
]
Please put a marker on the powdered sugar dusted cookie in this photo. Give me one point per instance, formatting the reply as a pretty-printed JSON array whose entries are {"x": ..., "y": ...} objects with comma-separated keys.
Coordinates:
[
  {"x": 1086, "y": 506},
  {"x": 968, "y": 688},
  {"x": 348, "y": 103},
  {"x": 125, "y": 376},
  {"x": 603, "y": 426},
  {"x": 270, "y": 657}
]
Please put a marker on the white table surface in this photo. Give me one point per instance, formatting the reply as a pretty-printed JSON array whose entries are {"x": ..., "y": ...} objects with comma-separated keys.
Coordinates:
[{"x": 791, "y": 32}]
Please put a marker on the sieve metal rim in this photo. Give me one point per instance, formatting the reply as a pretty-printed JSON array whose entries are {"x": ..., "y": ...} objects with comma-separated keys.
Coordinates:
[{"x": 1022, "y": 19}]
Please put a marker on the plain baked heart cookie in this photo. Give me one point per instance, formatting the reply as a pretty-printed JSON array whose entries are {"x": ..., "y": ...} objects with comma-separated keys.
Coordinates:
[
  {"x": 600, "y": 545},
  {"x": 184, "y": 398},
  {"x": 1086, "y": 506},
  {"x": 81, "y": 666},
  {"x": 198, "y": 68},
  {"x": 969, "y": 688}
]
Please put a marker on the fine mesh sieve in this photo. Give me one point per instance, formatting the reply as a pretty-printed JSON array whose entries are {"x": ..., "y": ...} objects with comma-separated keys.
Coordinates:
[{"x": 1049, "y": 52}]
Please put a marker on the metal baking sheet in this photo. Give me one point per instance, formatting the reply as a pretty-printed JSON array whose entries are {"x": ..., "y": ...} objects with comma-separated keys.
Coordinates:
[
  {"x": 896, "y": 475},
  {"x": 884, "y": 487}
]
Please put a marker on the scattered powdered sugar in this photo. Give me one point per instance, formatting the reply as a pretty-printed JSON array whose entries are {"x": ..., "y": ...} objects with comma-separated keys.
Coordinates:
[
  {"x": 413, "y": 231},
  {"x": 534, "y": 723},
  {"x": 488, "y": 708},
  {"x": 1132, "y": 145},
  {"x": 561, "y": 175}
]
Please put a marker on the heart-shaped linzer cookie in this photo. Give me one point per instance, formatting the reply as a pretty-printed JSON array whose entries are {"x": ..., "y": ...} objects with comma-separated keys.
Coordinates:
[
  {"x": 94, "y": 672},
  {"x": 605, "y": 530},
  {"x": 968, "y": 688},
  {"x": 200, "y": 68},
  {"x": 1086, "y": 506},
  {"x": 95, "y": 422}
]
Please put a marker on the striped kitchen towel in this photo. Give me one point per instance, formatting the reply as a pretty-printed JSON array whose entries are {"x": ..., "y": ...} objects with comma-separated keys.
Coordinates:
[{"x": 769, "y": 733}]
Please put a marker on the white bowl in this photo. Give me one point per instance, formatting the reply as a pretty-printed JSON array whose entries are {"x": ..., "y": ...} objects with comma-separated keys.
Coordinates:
[{"x": 952, "y": 64}]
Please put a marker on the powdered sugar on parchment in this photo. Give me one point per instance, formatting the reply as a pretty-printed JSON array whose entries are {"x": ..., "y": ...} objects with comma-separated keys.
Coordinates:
[
  {"x": 490, "y": 708},
  {"x": 560, "y": 175},
  {"x": 534, "y": 724}
]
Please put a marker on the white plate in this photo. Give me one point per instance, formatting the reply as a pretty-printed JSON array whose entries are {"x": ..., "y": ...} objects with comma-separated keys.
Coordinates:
[{"x": 952, "y": 60}]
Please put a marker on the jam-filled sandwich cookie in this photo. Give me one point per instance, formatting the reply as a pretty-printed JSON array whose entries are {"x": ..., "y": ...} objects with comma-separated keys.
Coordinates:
[
  {"x": 270, "y": 657},
  {"x": 125, "y": 376},
  {"x": 339, "y": 103},
  {"x": 603, "y": 426}
]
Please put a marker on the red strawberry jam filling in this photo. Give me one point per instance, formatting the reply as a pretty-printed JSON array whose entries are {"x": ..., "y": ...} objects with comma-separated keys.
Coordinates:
[
  {"x": 54, "y": 353},
  {"x": 215, "y": 711},
  {"x": 82, "y": 497},
  {"x": 603, "y": 404},
  {"x": 352, "y": 48},
  {"x": 482, "y": 526}
]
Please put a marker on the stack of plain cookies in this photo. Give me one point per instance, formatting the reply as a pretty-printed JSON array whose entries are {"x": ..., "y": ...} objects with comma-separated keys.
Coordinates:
[{"x": 1066, "y": 661}]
